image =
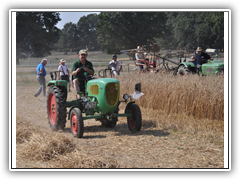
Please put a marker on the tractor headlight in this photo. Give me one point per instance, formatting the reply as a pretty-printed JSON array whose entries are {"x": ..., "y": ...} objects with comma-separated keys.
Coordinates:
[{"x": 126, "y": 96}]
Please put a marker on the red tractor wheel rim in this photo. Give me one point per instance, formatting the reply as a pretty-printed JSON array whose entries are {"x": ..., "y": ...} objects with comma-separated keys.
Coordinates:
[
  {"x": 52, "y": 109},
  {"x": 182, "y": 74},
  {"x": 74, "y": 123},
  {"x": 131, "y": 122}
]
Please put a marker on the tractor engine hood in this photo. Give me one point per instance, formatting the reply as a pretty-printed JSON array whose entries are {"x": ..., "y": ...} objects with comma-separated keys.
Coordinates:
[{"x": 105, "y": 92}]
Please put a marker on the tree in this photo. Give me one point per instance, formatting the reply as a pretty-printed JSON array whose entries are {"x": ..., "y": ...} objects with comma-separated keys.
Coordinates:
[
  {"x": 192, "y": 29},
  {"x": 69, "y": 38},
  {"x": 86, "y": 27},
  {"x": 215, "y": 21},
  {"x": 77, "y": 36},
  {"x": 120, "y": 30},
  {"x": 35, "y": 33}
]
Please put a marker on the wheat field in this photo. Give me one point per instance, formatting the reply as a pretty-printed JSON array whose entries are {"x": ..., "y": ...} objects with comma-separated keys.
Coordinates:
[
  {"x": 180, "y": 98},
  {"x": 183, "y": 127},
  {"x": 197, "y": 96}
]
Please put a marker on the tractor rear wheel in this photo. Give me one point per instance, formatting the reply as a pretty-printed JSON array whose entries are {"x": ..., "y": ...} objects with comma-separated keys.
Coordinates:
[
  {"x": 56, "y": 108},
  {"x": 76, "y": 123},
  {"x": 134, "y": 122},
  {"x": 182, "y": 71}
]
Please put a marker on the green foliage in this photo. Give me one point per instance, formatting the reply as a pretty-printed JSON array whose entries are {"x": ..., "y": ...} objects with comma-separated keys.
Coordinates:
[
  {"x": 123, "y": 30},
  {"x": 36, "y": 33},
  {"x": 87, "y": 31},
  {"x": 115, "y": 31},
  {"x": 192, "y": 29},
  {"x": 69, "y": 38},
  {"x": 78, "y": 36}
]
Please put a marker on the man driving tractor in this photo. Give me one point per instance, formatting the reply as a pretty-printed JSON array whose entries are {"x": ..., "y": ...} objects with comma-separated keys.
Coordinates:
[
  {"x": 200, "y": 58},
  {"x": 78, "y": 68}
]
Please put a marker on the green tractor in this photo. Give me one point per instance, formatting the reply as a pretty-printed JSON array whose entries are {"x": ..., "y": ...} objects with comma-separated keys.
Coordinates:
[
  {"x": 215, "y": 67},
  {"x": 99, "y": 100},
  {"x": 207, "y": 67}
]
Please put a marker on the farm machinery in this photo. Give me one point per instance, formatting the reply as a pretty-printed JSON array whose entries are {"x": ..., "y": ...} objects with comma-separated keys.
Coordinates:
[
  {"x": 215, "y": 67},
  {"x": 99, "y": 100},
  {"x": 206, "y": 67},
  {"x": 181, "y": 67}
]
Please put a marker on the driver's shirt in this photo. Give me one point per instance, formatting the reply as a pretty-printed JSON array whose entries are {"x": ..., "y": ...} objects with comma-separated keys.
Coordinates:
[
  {"x": 78, "y": 64},
  {"x": 199, "y": 58}
]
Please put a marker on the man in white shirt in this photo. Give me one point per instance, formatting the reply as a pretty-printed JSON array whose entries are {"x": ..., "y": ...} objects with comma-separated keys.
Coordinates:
[
  {"x": 139, "y": 54},
  {"x": 117, "y": 63},
  {"x": 63, "y": 73}
]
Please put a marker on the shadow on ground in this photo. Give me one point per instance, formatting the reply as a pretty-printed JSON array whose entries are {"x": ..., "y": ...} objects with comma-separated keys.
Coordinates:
[{"x": 120, "y": 130}]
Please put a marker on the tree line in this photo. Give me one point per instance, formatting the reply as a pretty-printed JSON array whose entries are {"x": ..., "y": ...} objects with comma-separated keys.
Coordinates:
[{"x": 111, "y": 32}]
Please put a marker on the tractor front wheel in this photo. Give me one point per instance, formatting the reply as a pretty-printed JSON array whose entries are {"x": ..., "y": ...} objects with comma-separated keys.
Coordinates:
[
  {"x": 76, "y": 123},
  {"x": 134, "y": 122}
]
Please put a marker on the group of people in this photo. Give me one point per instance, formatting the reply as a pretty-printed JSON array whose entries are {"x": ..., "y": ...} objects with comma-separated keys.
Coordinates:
[
  {"x": 83, "y": 65},
  {"x": 78, "y": 68},
  {"x": 198, "y": 59}
]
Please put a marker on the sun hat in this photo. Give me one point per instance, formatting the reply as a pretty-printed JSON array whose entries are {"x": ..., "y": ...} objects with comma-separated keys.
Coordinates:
[
  {"x": 62, "y": 60},
  {"x": 83, "y": 51},
  {"x": 138, "y": 47},
  {"x": 199, "y": 49}
]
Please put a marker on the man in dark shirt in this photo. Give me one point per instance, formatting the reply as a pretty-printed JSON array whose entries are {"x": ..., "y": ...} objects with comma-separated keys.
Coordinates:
[
  {"x": 79, "y": 67},
  {"x": 200, "y": 58}
]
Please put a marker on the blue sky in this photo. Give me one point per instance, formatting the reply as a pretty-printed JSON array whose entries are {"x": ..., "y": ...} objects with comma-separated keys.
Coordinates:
[{"x": 71, "y": 17}]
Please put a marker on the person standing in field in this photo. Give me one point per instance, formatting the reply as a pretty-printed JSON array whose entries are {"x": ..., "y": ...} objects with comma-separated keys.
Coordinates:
[
  {"x": 41, "y": 73},
  {"x": 63, "y": 73}
]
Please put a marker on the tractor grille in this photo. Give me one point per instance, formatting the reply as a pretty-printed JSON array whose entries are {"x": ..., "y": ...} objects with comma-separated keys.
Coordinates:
[
  {"x": 94, "y": 89},
  {"x": 112, "y": 91}
]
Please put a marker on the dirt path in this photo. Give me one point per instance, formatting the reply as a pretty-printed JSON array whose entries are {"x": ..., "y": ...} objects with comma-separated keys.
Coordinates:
[{"x": 150, "y": 148}]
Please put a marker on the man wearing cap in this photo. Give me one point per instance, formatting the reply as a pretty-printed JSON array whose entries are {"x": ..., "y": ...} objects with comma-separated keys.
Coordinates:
[
  {"x": 41, "y": 73},
  {"x": 79, "y": 67},
  {"x": 200, "y": 58},
  {"x": 63, "y": 73}
]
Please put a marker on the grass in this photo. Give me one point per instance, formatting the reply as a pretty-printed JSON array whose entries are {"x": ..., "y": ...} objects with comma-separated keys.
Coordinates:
[{"x": 54, "y": 58}]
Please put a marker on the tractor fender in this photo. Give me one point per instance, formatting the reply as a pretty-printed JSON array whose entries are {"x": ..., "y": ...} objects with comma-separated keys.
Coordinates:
[
  {"x": 186, "y": 64},
  {"x": 57, "y": 83},
  {"x": 69, "y": 112},
  {"x": 62, "y": 85},
  {"x": 129, "y": 104}
]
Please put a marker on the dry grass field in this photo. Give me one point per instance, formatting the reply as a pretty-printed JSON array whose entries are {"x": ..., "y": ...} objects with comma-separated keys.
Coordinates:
[{"x": 183, "y": 127}]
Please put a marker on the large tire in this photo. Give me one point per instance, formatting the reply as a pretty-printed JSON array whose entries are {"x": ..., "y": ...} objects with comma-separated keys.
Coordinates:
[
  {"x": 134, "y": 123},
  {"x": 183, "y": 71},
  {"x": 56, "y": 108},
  {"x": 76, "y": 123}
]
